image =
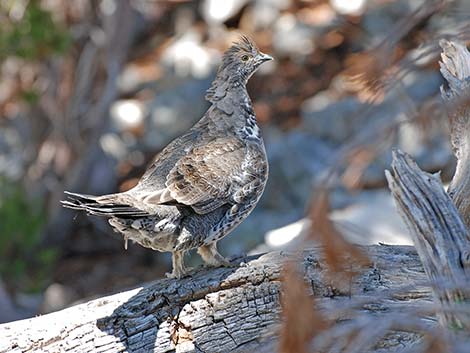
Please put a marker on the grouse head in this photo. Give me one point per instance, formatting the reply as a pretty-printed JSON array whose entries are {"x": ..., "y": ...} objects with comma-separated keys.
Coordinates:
[
  {"x": 239, "y": 62},
  {"x": 242, "y": 59}
]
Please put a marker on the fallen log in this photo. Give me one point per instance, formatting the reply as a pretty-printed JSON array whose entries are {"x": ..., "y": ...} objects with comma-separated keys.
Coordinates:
[{"x": 233, "y": 309}]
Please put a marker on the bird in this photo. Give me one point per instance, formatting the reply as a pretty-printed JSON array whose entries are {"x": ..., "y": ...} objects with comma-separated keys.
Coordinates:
[{"x": 204, "y": 183}]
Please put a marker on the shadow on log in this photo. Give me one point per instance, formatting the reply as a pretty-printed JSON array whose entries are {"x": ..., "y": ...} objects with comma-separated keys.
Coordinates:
[{"x": 219, "y": 310}]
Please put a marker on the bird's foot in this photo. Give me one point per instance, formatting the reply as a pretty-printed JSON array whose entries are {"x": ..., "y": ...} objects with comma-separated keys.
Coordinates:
[
  {"x": 211, "y": 256},
  {"x": 179, "y": 269},
  {"x": 222, "y": 262},
  {"x": 218, "y": 262},
  {"x": 179, "y": 273}
]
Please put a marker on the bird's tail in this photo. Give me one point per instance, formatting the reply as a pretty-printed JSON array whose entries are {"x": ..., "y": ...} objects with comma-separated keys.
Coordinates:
[{"x": 112, "y": 205}]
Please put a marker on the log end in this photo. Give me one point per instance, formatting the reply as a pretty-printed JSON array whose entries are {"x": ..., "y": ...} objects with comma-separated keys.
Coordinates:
[{"x": 455, "y": 67}]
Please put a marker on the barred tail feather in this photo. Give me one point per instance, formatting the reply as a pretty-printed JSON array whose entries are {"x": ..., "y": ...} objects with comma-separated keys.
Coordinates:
[{"x": 106, "y": 205}]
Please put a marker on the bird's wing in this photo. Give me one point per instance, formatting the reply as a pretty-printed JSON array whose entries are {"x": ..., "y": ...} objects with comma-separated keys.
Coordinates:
[{"x": 205, "y": 177}]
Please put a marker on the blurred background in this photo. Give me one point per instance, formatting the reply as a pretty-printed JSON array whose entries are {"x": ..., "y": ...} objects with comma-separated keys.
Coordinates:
[{"x": 91, "y": 90}]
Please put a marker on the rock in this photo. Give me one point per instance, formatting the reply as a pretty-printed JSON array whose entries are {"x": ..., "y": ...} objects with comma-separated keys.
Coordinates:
[
  {"x": 287, "y": 237},
  {"x": 12, "y": 153},
  {"x": 9, "y": 310},
  {"x": 432, "y": 153},
  {"x": 127, "y": 114},
  {"x": 295, "y": 158},
  {"x": 291, "y": 37},
  {"x": 349, "y": 7},
  {"x": 57, "y": 297},
  {"x": 251, "y": 232},
  {"x": 262, "y": 14},
  {"x": 370, "y": 219},
  {"x": 178, "y": 104},
  {"x": 187, "y": 57},
  {"x": 337, "y": 121},
  {"x": 378, "y": 20},
  {"x": 217, "y": 12},
  {"x": 329, "y": 119}
]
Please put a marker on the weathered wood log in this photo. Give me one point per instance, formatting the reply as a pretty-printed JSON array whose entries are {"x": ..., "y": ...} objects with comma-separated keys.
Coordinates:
[
  {"x": 438, "y": 232},
  {"x": 219, "y": 310},
  {"x": 455, "y": 67},
  {"x": 438, "y": 220}
]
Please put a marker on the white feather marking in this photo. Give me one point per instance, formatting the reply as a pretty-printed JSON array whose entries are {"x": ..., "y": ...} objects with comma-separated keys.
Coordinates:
[{"x": 160, "y": 225}]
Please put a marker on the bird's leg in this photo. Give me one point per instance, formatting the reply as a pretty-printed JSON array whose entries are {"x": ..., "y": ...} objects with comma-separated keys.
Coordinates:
[
  {"x": 179, "y": 269},
  {"x": 211, "y": 256}
]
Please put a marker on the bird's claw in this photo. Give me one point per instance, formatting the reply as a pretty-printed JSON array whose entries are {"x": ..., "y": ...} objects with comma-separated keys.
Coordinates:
[{"x": 178, "y": 274}]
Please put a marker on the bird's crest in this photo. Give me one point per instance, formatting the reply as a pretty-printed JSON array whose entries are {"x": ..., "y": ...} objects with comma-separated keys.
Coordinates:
[{"x": 243, "y": 46}]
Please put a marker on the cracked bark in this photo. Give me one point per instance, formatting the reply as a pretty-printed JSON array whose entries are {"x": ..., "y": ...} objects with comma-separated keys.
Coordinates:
[
  {"x": 215, "y": 310},
  {"x": 455, "y": 67},
  {"x": 439, "y": 220}
]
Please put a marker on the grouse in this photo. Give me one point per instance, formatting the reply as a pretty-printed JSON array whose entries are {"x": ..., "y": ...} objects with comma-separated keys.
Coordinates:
[{"x": 202, "y": 184}]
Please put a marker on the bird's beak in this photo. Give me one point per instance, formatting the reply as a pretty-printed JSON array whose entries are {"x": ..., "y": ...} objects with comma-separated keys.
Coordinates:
[{"x": 262, "y": 57}]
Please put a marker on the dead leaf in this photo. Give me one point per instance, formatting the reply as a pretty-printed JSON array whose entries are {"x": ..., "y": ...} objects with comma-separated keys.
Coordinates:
[
  {"x": 301, "y": 319},
  {"x": 342, "y": 258}
]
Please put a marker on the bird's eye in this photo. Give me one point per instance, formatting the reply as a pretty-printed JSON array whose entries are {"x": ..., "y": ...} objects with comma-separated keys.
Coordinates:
[{"x": 245, "y": 57}]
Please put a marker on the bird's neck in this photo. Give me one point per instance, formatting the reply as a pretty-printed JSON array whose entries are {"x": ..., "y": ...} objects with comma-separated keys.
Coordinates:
[
  {"x": 231, "y": 96},
  {"x": 226, "y": 85}
]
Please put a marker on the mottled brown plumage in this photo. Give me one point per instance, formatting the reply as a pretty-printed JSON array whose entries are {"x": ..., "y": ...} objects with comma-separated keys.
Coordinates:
[{"x": 205, "y": 182}]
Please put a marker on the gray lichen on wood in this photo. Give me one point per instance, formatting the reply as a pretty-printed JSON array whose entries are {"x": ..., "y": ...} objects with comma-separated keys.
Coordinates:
[{"x": 217, "y": 310}]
